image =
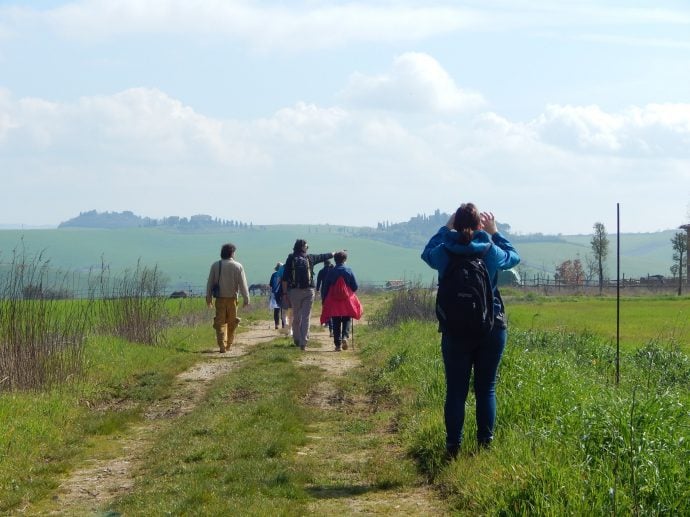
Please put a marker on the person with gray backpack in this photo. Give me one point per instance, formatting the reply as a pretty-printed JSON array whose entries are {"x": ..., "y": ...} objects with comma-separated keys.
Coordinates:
[
  {"x": 468, "y": 253},
  {"x": 298, "y": 283}
]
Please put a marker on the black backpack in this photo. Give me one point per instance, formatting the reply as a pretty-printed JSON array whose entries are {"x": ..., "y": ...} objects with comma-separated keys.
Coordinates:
[
  {"x": 464, "y": 300},
  {"x": 301, "y": 272}
]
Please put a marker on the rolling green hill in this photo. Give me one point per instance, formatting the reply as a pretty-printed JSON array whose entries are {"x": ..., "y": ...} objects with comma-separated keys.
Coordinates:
[{"x": 185, "y": 256}]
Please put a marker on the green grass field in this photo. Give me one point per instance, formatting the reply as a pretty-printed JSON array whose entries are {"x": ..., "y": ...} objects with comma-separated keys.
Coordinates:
[
  {"x": 568, "y": 440},
  {"x": 186, "y": 257},
  {"x": 642, "y": 319}
]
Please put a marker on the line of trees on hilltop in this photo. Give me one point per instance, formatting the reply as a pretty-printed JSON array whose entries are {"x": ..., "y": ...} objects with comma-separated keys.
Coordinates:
[
  {"x": 127, "y": 219},
  {"x": 416, "y": 231}
]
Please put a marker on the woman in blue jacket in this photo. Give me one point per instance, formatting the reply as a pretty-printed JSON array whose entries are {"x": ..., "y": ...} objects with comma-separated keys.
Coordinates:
[{"x": 470, "y": 233}]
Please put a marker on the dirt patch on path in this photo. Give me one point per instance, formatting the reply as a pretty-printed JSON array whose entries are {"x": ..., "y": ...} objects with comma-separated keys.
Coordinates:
[
  {"x": 346, "y": 489},
  {"x": 99, "y": 480}
]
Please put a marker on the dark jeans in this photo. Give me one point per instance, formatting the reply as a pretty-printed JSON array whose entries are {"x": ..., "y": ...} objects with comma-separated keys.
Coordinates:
[
  {"x": 279, "y": 317},
  {"x": 459, "y": 358},
  {"x": 329, "y": 324},
  {"x": 341, "y": 328}
]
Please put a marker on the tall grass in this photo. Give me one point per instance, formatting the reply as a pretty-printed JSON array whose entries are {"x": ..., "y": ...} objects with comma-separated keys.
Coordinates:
[
  {"x": 568, "y": 440},
  {"x": 415, "y": 302},
  {"x": 133, "y": 305},
  {"x": 43, "y": 327},
  {"x": 41, "y": 337}
]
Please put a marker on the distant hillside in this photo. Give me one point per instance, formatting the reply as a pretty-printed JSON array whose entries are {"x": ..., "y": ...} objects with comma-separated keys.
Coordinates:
[
  {"x": 185, "y": 256},
  {"x": 127, "y": 219},
  {"x": 415, "y": 233},
  {"x": 410, "y": 234}
]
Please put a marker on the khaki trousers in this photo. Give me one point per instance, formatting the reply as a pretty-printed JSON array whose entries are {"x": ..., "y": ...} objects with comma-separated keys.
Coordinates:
[{"x": 225, "y": 322}]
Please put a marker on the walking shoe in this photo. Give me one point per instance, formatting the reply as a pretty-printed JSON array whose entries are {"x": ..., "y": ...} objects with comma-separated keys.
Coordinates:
[
  {"x": 344, "y": 344},
  {"x": 452, "y": 452},
  {"x": 337, "y": 349},
  {"x": 484, "y": 444}
]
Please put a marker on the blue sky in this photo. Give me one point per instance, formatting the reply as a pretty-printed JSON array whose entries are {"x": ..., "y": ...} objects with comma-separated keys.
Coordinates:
[{"x": 547, "y": 113}]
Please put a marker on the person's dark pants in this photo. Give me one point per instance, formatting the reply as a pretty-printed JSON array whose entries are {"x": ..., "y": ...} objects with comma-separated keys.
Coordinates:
[
  {"x": 459, "y": 358},
  {"x": 278, "y": 317},
  {"x": 341, "y": 329}
]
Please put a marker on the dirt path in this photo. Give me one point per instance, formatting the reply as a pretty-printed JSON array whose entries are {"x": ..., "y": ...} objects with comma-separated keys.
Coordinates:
[{"x": 92, "y": 486}]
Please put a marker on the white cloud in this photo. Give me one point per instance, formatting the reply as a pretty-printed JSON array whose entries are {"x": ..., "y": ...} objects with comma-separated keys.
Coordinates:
[
  {"x": 143, "y": 150},
  {"x": 304, "y": 122},
  {"x": 415, "y": 83},
  {"x": 665, "y": 43},
  {"x": 300, "y": 25},
  {"x": 5, "y": 118},
  {"x": 307, "y": 25},
  {"x": 137, "y": 124},
  {"x": 661, "y": 130}
]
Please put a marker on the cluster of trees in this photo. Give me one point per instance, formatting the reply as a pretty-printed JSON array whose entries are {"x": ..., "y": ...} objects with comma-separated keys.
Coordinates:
[
  {"x": 415, "y": 232},
  {"x": 572, "y": 271},
  {"x": 127, "y": 219}
]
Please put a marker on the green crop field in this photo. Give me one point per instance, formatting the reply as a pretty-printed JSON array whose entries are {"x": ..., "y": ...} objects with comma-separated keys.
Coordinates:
[
  {"x": 642, "y": 319},
  {"x": 185, "y": 257}
]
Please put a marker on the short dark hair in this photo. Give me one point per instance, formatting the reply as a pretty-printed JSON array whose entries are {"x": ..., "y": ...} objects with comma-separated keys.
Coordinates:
[
  {"x": 227, "y": 250},
  {"x": 340, "y": 257},
  {"x": 300, "y": 246}
]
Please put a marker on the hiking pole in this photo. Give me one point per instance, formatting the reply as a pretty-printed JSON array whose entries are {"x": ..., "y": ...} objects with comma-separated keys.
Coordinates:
[{"x": 352, "y": 329}]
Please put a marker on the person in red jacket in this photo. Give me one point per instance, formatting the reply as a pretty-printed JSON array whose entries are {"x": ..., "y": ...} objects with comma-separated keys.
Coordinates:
[{"x": 340, "y": 303}]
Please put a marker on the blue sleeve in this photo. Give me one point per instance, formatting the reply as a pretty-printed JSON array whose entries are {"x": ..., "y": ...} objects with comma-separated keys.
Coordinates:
[
  {"x": 352, "y": 281},
  {"x": 506, "y": 255},
  {"x": 326, "y": 284},
  {"x": 434, "y": 253}
]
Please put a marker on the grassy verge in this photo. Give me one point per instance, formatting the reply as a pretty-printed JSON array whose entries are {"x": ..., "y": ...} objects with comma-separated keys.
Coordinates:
[
  {"x": 568, "y": 440},
  {"x": 44, "y": 434}
]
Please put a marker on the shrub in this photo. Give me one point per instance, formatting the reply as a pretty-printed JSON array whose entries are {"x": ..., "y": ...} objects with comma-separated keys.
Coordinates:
[{"x": 413, "y": 302}]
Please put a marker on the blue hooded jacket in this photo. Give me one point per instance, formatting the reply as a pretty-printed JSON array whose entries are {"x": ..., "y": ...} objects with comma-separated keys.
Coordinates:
[{"x": 500, "y": 255}]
